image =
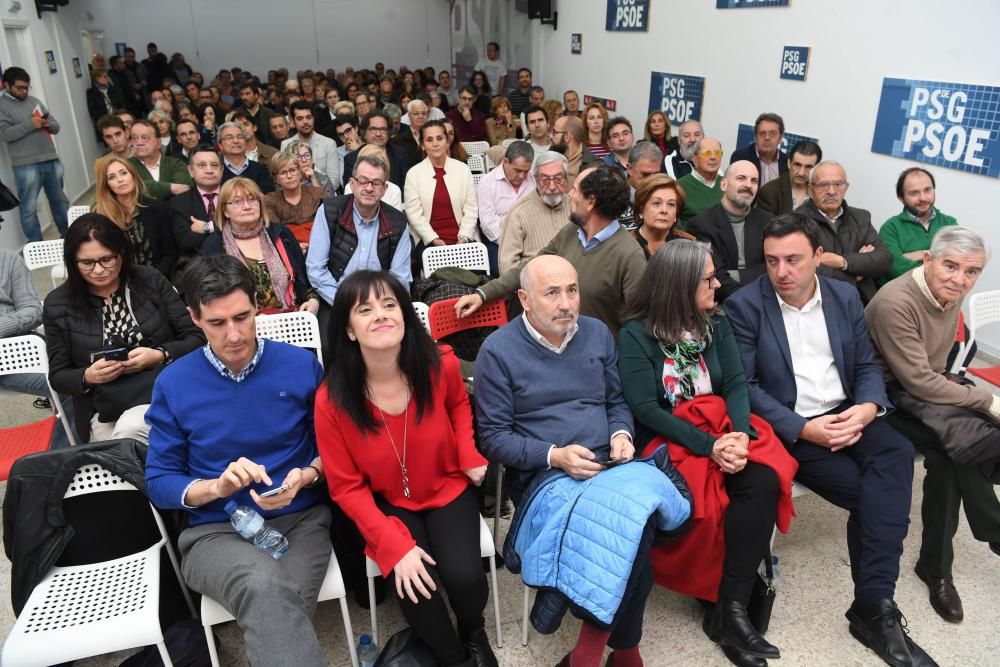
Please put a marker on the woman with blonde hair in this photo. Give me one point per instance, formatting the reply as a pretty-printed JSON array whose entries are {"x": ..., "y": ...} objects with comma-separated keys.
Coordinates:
[
  {"x": 553, "y": 109},
  {"x": 393, "y": 195},
  {"x": 658, "y": 131},
  {"x": 595, "y": 118},
  {"x": 165, "y": 126},
  {"x": 271, "y": 252},
  {"x": 121, "y": 196},
  {"x": 294, "y": 203}
]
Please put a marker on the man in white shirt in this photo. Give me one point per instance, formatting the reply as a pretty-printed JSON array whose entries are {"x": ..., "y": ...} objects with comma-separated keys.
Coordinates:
[
  {"x": 812, "y": 374},
  {"x": 324, "y": 149},
  {"x": 499, "y": 190},
  {"x": 494, "y": 68}
]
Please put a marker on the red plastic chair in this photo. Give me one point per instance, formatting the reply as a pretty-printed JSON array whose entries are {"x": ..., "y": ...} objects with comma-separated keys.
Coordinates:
[{"x": 444, "y": 322}]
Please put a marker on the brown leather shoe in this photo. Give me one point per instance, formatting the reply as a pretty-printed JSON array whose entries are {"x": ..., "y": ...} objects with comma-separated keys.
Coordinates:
[
  {"x": 566, "y": 661},
  {"x": 943, "y": 595}
]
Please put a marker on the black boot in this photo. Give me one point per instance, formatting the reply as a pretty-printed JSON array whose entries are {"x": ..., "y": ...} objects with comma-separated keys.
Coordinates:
[
  {"x": 478, "y": 644},
  {"x": 731, "y": 628},
  {"x": 879, "y": 626}
]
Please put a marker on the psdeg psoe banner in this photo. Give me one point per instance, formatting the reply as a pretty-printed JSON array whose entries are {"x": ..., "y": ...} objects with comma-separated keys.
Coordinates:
[
  {"x": 749, "y": 4},
  {"x": 627, "y": 16},
  {"x": 678, "y": 96},
  {"x": 745, "y": 137},
  {"x": 953, "y": 125}
]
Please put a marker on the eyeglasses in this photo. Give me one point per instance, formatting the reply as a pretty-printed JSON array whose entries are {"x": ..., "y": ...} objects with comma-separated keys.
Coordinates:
[
  {"x": 107, "y": 263},
  {"x": 710, "y": 153},
  {"x": 25, "y": 87},
  {"x": 363, "y": 182},
  {"x": 709, "y": 279},
  {"x": 206, "y": 165},
  {"x": 768, "y": 133},
  {"x": 826, "y": 185},
  {"x": 241, "y": 202},
  {"x": 372, "y": 128},
  {"x": 230, "y": 137},
  {"x": 285, "y": 173},
  {"x": 552, "y": 180},
  {"x": 304, "y": 155}
]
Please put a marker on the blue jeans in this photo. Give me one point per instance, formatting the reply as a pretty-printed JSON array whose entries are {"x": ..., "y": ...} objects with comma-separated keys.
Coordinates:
[
  {"x": 35, "y": 385},
  {"x": 30, "y": 179}
]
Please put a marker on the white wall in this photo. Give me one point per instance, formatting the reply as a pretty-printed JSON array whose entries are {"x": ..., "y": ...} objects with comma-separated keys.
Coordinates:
[{"x": 855, "y": 43}]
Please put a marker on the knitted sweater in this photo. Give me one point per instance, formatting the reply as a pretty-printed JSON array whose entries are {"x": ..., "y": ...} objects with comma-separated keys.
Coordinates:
[
  {"x": 268, "y": 418},
  {"x": 530, "y": 224},
  {"x": 172, "y": 170},
  {"x": 698, "y": 196},
  {"x": 26, "y": 144},
  {"x": 902, "y": 234},
  {"x": 20, "y": 309},
  {"x": 913, "y": 335},
  {"x": 607, "y": 273}
]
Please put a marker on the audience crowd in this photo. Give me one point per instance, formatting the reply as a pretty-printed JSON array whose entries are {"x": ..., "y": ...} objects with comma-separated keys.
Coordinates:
[{"x": 721, "y": 327}]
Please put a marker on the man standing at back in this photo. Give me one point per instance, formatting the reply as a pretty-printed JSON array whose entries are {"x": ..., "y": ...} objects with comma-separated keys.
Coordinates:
[
  {"x": 494, "y": 68},
  {"x": 27, "y": 128}
]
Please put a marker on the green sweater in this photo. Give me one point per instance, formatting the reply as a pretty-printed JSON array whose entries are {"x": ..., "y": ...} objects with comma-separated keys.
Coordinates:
[
  {"x": 607, "y": 273},
  {"x": 902, "y": 234},
  {"x": 172, "y": 170},
  {"x": 698, "y": 196},
  {"x": 640, "y": 365}
]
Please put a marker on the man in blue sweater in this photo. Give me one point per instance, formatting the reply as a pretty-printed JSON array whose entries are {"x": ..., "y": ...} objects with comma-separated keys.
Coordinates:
[
  {"x": 548, "y": 396},
  {"x": 229, "y": 423}
]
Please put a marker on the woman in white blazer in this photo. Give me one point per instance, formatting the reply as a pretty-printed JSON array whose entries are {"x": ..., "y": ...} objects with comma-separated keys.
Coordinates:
[{"x": 439, "y": 196}]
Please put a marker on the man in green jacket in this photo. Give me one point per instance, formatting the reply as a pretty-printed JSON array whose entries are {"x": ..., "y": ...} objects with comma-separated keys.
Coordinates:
[
  {"x": 164, "y": 176},
  {"x": 909, "y": 234}
]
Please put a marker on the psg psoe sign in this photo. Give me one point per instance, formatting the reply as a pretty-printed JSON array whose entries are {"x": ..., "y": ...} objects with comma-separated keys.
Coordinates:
[
  {"x": 795, "y": 63},
  {"x": 627, "y": 16},
  {"x": 749, "y": 4},
  {"x": 952, "y": 125},
  {"x": 678, "y": 96}
]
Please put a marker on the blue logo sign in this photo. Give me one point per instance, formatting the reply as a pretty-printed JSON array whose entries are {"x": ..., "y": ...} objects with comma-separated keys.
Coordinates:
[
  {"x": 576, "y": 43},
  {"x": 627, "y": 16},
  {"x": 953, "y": 125},
  {"x": 749, "y": 4},
  {"x": 745, "y": 137},
  {"x": 795, "y": 63},
  {"x": 678, "y": 96}
]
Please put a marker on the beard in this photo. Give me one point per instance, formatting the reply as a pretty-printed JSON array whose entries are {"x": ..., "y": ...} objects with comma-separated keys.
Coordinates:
[
  {"x": 687, "y": 152},
  {"x": 551, "y": 200},
  {"x": 577, "y": 219},
  {"x": 917, "y": 214},
  {"x": 560, "y": 147}
]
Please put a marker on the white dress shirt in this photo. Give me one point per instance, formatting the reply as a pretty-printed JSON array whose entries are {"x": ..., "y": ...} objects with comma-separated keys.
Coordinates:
[
  {"x": 496, "y": 197},
  {"x": 817, "y": 381}
]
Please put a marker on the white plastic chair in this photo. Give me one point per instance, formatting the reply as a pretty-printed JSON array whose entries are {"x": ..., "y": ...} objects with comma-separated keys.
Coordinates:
[
  {"x": 39, "y": 254},
  {"x": 490, "y": 164},
  {"x": 213, "y": 613},
  {"x": 984, "y": 309},
  {"x": 507, "y": 142},
  {"x": 75, "y": 212},
  {"x": 300, "y": 328},
  {"x": 84, "y": 610},
  {"x": 477, "y": 164},
  {"x": 476, "y": 178},
  {"x": 475, "y": 147},
  {"x": 471, "y": 256},
  {"x": 421, "y": 309},
  {"x": 486, "y": 550}
]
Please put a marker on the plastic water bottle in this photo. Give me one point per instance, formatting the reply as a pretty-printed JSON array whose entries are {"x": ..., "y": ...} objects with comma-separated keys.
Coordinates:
[
  {"x": 367, "y": 651},
  {"x": 251, "y": 525},
  {"x": 762, "y": 571}
]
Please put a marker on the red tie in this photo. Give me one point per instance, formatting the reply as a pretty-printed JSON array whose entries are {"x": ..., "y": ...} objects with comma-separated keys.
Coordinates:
[{"x": 210, "y": 205}]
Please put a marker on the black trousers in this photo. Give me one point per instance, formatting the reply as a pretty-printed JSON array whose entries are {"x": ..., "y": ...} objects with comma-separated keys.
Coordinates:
[
  {"x": 749, "y": 521},
  {"x": 450, "y": 534},
  {"x": 873, "y": 481}
]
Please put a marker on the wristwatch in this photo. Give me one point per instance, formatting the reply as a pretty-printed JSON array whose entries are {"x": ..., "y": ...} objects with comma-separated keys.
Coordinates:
[
  {"x": 166, "y": 355},
  {"x": 207, "y": 227}
]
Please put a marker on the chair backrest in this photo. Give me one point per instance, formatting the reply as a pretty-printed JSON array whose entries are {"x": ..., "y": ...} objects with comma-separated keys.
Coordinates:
[
  {"x": 490, "y": 165},
  {"x": 444, "y": 322},
  {"x": 471, "y": 256},
  {"x": 75, "y": 212},
  {"x": 43, "y": 253},
  {"x": 23, "y": 354},
  {"x": 476, "y": 178},
  {"x": 421, "y": 309},
  {"x": 984, "y": 308},
  {"x": 475, "y": 147},
  {"x": 93, "y": 478},
  {"x": 507, "y": 142},
  {"x": 300, "y": 328},
  {"x": 477, "y": 165}
]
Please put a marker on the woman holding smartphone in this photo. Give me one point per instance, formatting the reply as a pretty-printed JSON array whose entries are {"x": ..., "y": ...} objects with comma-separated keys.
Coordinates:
[{"x": 394, "y": 431}]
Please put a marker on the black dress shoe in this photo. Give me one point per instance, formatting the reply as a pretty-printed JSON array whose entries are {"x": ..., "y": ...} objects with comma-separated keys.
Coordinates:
[
  {"x": 566, "y": 661},
  {"x": 731, "y": 627},
  {"x": 920, "y": 657},
  {"x": 879, "y": 626},
  {"x": 741, "y": 659},
  {"x": 479, "y": 647},
  {"x": 943, "y": 595}
]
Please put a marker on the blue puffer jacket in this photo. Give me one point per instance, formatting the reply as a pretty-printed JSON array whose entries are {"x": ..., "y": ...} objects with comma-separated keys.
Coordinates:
[{"x": 577, "y": 540}]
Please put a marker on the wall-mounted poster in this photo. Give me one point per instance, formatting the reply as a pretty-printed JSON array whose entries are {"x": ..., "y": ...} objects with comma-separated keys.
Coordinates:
[
  {"x": 610, "y": 105},
  {"x": 77, "y": 71},
  {"x": 953, "y": 125},
  {"x": 120, "y": 49},
  {"x": 576, "y": 43},
  {"x": 749, "y": 4},
  {"x": 627, "y": 16},
  {"x": 795, "y": 63},
  {"x": 50, "y": 60},
  {"x": 678, "y": 96}
]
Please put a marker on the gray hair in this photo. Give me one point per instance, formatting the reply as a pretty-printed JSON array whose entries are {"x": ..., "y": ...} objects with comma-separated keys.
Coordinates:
[
  {"x": 413, "y": 103},
  {"x": 519, "y": 149},
  {"x": 645, "y": 150},
  {"x": 689, "y": 122},
  {"x": 227, "y": 125},
  {"x": 524, "y": 277},
  {"x": 543, "y": 158},
  {"x": 825, "y": 163},
  {"x": 697, "y": 145},
  {"x": 156, "y": 114},
  {"x": 374, "y": 161},
  {"x": 393, "y": 112},
  {"x": 958, "y": 240},
  {"x": 294, "y": 145}
]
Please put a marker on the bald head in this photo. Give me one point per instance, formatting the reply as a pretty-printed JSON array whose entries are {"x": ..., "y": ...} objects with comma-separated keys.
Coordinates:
[
  {"x": 739, "y": 186},
  {"x": 550, "y": 296}
]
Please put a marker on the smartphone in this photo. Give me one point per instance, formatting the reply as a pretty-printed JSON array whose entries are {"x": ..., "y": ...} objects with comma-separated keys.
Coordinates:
[
  {"x": 116, "y": 354},
  {"x": 611, "y": 463},
  {"x": 273, "y": 492}
]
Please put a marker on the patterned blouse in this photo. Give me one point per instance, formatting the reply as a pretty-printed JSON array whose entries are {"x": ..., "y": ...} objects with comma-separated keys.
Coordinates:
[
  {"x": 119, "y": 322},
  {"x": 136, "y": 234}
]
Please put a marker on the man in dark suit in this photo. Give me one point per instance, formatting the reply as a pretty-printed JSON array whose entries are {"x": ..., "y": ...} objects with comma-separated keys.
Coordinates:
[
  {"x": 735, "y": 230},
  {"x": 193, "y": 212},
  {"x": 790, "y": 190},
  {"x": 235, "y": 161},
  {"x": 812, "y": 374},
  {"x": 765, "y": 151}
]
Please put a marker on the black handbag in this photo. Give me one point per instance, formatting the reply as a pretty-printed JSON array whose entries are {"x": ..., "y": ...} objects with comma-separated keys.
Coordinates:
[
  {"x": 8, "y": 199},
  {"x": 404, "y": 649},
  {"x": 762, "y": 598}
]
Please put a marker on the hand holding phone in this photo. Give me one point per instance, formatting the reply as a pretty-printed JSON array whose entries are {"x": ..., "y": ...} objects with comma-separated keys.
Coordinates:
[
  {"x": 608, "y": 462},
  {"x": 273, "y": 492}
]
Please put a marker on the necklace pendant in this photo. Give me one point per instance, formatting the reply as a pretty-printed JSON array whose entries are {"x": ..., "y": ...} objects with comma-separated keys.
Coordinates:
[{"x": 406, "y": 482}]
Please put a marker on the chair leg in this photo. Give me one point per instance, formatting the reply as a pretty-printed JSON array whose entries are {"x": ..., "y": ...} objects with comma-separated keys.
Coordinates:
[
  {"x": 164, "y": 656},
  {"x": 180, "y": 579},
  {"x": 212, "y": 653},
  {"x": 372, "y": 609},
  {"x": 497, "y": 503},
  {"x": 496, "y": 599},
  {"x": 524, "y": 620},
  {"x": 349, "y": 632}
]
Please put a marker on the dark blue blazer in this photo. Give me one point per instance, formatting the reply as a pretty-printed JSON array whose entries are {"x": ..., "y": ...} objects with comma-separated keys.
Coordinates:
[
  {"x": 750, "y": 153},
  {"x": 759, "y": 328}
]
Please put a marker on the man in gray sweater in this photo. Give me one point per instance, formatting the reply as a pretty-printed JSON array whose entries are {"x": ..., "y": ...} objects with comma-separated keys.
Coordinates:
[{"x": 27, "y": 128}]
